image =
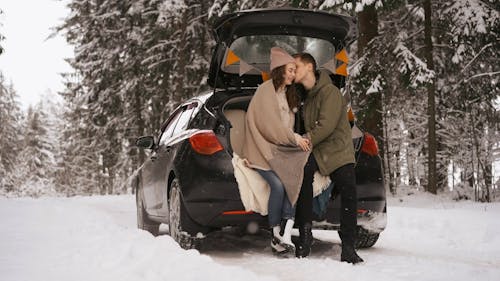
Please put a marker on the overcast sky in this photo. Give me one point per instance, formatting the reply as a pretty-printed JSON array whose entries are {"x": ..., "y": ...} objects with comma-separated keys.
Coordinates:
[{"x": 30, "y": 60}]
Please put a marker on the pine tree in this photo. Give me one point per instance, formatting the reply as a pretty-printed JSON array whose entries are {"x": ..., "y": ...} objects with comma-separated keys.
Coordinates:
[
  {"x": 10, "y": 140},
  {"x": 431, "y": 101},
  {"x": 468, "y": 56},
  {"x": 79, "y": 167},
  {"x": 35, "y": 175}
]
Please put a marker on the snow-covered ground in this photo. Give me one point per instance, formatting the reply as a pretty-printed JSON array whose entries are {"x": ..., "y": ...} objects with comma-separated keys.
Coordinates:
[{"x": 95, "y": 238}]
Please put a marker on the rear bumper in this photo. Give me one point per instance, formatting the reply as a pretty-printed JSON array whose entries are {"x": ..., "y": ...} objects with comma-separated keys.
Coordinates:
[{"x": 210, "y": 212}]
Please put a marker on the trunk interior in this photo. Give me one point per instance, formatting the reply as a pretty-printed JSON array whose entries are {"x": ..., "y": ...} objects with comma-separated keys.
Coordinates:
[{"x": 235, "y": 110}]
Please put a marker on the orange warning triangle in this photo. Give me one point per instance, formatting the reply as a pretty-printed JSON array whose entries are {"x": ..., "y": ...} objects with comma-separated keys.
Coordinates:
[
  {"x": 350, "y": 114},
  {"x": 265, "y": 76},
  {"x": 342, "y": 69},
  {"x": 231, "y": 58},
  {"x": 342, "y": 56}
]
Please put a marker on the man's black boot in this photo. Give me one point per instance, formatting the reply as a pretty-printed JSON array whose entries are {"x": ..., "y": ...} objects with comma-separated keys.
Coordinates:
[
  {"x": 303, "y": 249},
  {"x": 349, "y": 255}
]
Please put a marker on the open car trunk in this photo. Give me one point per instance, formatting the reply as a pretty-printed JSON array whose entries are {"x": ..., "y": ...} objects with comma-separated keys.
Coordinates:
[{"x": 244, "y": 39}]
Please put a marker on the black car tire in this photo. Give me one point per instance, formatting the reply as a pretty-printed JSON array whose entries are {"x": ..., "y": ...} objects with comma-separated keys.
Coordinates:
[
  {"x": 365, "y": 238},
  {"x": 143, "y": 222},
  {"x": 179, "y": 218}
]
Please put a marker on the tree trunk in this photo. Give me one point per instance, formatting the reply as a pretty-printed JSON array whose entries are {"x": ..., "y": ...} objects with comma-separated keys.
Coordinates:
[
  {"x": 182, "y": 62},
  {"x": 411, "y": 159},
  {"x": 488, "y": 181},
  {"x": 372, "y": 120},
  {"x": 386, "y": 158},
  {"x": 140, "y": 128},
  {"x": 397, "y": 178},
  {"x": 368, "y": 27},
  {"x": 111, "y": 180},
  {"x": 431, "y": 162},
  {"x": 441, "y": 168}
]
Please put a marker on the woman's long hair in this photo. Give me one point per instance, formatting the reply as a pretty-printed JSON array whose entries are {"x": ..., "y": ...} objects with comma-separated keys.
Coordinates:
[{"x": 278, "y": 77}]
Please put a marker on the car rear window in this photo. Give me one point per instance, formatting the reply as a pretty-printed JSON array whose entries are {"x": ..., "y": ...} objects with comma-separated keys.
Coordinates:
[{"x": 254, "y": 50}]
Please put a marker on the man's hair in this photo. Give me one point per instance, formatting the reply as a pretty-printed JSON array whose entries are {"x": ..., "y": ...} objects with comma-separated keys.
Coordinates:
[{"x": 307, "y": 58}]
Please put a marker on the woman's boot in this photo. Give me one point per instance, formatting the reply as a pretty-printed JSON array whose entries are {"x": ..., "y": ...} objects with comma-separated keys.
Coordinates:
[
  {"x": 276, "y": 240},
  {"x": 287, "y": 236},
  {"x": 305, "y": 241}
]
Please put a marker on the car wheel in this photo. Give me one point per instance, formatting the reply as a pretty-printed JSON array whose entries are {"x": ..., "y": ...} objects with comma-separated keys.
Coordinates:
[
  {"x": 178, "y": 218},
  {"x": 143, "y": 222},
  {"x": 365, "y": 238}
]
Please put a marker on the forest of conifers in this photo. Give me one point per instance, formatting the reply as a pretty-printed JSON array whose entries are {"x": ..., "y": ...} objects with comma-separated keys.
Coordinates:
[{"x": 423, "y": 77}]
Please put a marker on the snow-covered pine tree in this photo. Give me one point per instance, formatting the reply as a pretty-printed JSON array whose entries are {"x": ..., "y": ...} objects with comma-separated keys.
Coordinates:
[
  {"x": 10, "y": 136},
  {"x": 78, "y": 168},
  {"x": 467, "y": 36},
  {"x": 101, "y": 32},
  {"x": 35, "y": 173}
]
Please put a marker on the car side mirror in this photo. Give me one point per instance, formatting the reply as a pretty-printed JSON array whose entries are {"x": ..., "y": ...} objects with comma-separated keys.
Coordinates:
[{"x": 147, "y": 142}]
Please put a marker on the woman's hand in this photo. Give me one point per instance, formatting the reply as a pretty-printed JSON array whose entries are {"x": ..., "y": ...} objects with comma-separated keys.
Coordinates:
[{"x": 304, "y": 144}]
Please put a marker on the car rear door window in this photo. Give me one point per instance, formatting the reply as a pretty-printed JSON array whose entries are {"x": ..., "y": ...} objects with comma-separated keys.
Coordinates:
[
  {"x": 185, "y": 117},
  {"x": 178, "y": 122},
  {"x": 169, "y": 128}
]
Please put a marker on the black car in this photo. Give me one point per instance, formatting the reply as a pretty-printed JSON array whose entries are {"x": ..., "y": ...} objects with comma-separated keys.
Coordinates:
[{"x": 188, "y": 180}]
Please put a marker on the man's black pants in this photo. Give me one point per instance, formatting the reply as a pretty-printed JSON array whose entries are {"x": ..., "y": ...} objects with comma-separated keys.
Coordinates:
[{"x": 344, "y": 179}]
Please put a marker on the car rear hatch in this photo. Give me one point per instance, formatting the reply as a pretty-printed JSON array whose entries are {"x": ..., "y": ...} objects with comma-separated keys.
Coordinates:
[{"x": 244, "y": 40}]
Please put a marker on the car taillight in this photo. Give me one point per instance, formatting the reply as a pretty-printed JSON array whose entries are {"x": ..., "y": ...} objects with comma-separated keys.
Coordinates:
[
  {"x": 362, "y": 211},
  {"x": 205, "y": 143},
  {"x": 370, "y": 145}
]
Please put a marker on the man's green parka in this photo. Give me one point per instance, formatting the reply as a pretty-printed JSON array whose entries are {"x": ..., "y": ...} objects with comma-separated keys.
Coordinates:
[{"x": 326, "y": 123}]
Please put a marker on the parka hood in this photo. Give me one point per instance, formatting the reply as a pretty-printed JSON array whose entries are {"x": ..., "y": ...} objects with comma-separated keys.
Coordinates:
[{"x": 323, "y": 81}]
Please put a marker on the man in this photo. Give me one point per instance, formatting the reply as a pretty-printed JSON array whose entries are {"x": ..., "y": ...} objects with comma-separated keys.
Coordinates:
[{"x": 327, "y": 127}]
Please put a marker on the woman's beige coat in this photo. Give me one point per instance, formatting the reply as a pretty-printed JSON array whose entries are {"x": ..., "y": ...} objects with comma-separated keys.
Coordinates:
[{"x": 269, "y": 145}]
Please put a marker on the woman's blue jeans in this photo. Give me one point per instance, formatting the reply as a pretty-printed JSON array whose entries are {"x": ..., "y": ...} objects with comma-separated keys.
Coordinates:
[{"x": 279, "y": 206}]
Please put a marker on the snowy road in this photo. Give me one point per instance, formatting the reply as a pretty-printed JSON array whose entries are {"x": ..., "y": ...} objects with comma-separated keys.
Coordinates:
[{"x": 95, "y": 238}]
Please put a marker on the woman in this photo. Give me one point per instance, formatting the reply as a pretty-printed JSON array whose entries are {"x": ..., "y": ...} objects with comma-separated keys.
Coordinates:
[{"x": 273, "y": 149}]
